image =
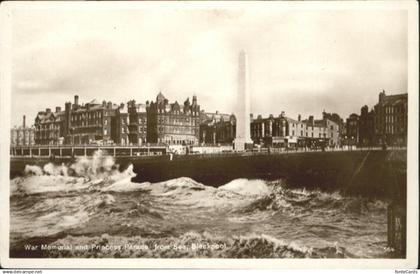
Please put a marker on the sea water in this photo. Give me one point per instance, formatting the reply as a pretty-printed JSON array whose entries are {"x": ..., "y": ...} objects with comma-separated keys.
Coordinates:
[{"x": 91, "y": 209}]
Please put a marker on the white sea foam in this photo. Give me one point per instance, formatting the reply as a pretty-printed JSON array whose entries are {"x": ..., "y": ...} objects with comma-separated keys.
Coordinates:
[
  {"x": 33, "y": 170},
  {"x": 98, "y": 172},
  {"x": 247, "y": 187},
  {"x": 51, "y": 169}
]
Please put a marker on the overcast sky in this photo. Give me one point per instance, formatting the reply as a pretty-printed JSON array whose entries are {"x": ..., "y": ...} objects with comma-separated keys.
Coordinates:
[{"x": 299, "y": 61}]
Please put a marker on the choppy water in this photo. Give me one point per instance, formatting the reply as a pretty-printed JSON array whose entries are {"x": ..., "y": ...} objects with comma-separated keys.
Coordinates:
[{"x": 90, "y": 209}]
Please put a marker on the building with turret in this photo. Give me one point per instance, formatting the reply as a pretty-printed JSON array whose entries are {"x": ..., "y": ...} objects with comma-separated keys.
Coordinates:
[{"x": 173, "y": 123}]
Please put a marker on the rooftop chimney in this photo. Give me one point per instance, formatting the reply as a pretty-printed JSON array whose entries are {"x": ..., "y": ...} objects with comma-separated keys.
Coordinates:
[
  {"x": 48, "y": 110},
  {"x": 24, "y": 121},
  {"x": 311, "y": 120},
  {"x": 299, "y": 117},
  {"x": 57, "y": 109},
  {"x": 76, "y": 100},
  {"x": 382, "y": 96}
]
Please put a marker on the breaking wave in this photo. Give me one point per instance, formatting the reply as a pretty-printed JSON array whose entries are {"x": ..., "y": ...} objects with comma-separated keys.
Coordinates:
[{"x": 97, "y": 173}]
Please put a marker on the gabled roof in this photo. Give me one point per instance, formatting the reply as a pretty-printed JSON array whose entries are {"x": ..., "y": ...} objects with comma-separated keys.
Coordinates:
[
  {"x": 94, "y": 102},
  {"x": 160, "y": 97},
  {"x": 393, "y": 99}
]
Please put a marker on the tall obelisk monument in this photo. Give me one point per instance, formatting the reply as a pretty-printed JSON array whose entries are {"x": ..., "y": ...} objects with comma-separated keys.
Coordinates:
[{"x": 243, "y": 109}]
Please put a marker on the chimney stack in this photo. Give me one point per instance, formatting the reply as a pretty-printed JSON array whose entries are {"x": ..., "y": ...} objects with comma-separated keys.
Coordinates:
[
  {"x": 299, "y": 117},
  {"x": 311, "y": 120},
  {"x": 48, "y": 110},
  {"x": 382, "y": 96},
  {"x": 57, "y": 109},
  {"x": 76, "y": 100},
  {"x": 24, "y": 121}
]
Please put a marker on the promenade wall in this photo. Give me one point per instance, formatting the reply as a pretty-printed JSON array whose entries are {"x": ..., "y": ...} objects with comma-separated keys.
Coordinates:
[{"x": 377, "y": 173}]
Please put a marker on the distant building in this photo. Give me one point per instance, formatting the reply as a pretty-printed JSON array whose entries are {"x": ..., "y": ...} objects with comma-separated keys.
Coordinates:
[
  {"x": 339, "y": 121},
  {"x": 90, "y": 123},
  {"x": 366, "y": 127},
  {"x": 173, "y": 123},
  {"x": 217, "y": 128},
  {"x": 390, "y": 119},
  {"x": 93, "y": 122},
  {"x": 324, "y": 131},
  {"x": 49, "y": 127},
  {"x": 122, "y": 124},
  {"x": 352, "y": 130},
  {"x": 22, "y": 135},
  {"x": 283, "y": 131},
  {"x": 137, "y": 117}
]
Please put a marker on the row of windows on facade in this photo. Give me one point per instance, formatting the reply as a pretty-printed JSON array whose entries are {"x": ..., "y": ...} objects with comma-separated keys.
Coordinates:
[
  {"x": 394, "y": 129},
  {"x": 396, "y": 109},
  {"x": 21, "y": 133},
  {"x": 49, "y": 126},
  {"x": 259, "y": 125},
  {"x": 185, "y": 130},
  {"x": 396, "y": 119},
  {"x": 89, "y": 115},
  {"x": 86, "y": 124},
  {"x": 177, "y": 120},
  {"x": 47, "y": 135},
  {"x": 177, "y": 141},
  {"x": 177, "y": 112},
  {"x": 257, "y": 133}
]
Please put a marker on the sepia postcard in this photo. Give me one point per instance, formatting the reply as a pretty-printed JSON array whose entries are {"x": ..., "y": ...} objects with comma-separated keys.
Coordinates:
[{"x": 209, "y": 134}]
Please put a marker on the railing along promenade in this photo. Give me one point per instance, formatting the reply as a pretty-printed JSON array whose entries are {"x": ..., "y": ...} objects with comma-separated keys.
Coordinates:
[
  {"x": 86, "y": 150},
  {"x": 68, "y": 151}
]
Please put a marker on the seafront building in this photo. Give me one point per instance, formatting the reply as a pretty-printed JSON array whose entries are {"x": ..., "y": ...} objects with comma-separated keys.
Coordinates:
[
  {"x": 217, "y": 128},
  {"x": 22, "y": 135},
  {"x": 90, "y": 123},
  {"x": 390, "y": 119},
  {"x": 173, "y": 123},
  {"x": 385, "y": 123},
  {"x": 366, "y": 126},
  {"x": 352, "y": 130},
  {"x": 284, "y": 131},
  {"x": 137, "y": 117}
]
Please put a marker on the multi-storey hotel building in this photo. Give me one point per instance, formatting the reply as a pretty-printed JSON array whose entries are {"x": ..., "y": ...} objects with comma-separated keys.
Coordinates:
[
  {"x": 391, "y": 117},
  {"x": 173, "y": 123}
]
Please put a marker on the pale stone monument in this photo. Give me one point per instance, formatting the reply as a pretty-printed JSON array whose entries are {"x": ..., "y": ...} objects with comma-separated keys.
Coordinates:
[{"x": 243, "y": 109}]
